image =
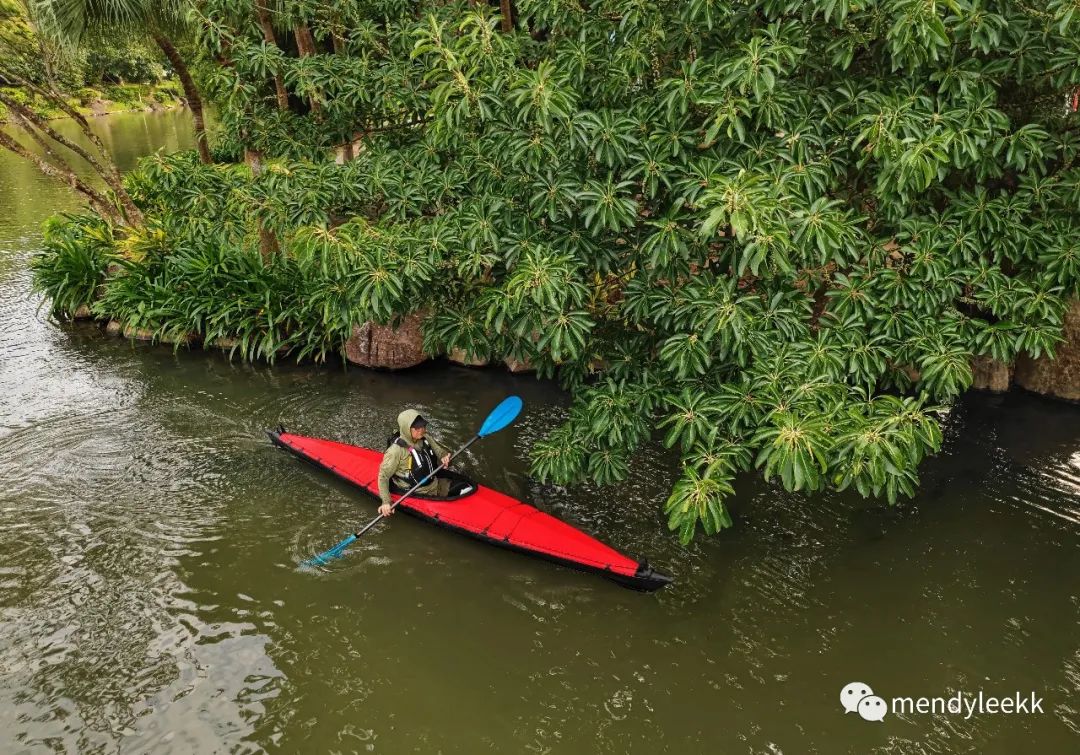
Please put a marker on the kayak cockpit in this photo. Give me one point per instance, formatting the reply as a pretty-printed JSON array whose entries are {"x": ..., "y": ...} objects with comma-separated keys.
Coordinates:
[{"x": 460, "y": 487}]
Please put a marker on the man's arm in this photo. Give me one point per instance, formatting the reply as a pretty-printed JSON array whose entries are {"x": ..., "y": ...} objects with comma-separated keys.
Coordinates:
[
  {"x": 387, "y": 468},
  {"x": 437, "y": 447}
]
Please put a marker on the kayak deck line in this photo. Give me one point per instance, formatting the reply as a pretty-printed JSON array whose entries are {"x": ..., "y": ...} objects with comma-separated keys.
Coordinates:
[{"x": 483, "y": 514}]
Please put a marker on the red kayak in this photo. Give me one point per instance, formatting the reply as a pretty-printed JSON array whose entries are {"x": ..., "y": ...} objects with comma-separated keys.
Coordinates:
[{"x": 482, "y": 513}]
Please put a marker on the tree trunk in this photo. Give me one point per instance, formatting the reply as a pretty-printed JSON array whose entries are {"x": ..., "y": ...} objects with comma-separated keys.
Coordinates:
[
  {"x": 268, "y": 35},
  {"x": 305, "y": 42},
  {"x": 336, "y": 30},
  {"x": 268, "y": 244},
  {"x": 506, "y": 8},
  {"x": 191, "y": 94},
  {"x": 305, "y": 45}
]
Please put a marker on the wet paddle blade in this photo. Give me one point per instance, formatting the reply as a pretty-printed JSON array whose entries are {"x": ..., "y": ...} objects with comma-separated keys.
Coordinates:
[
  {"x": 330, "y": 555},
  {"x": 501, "y": 416}
]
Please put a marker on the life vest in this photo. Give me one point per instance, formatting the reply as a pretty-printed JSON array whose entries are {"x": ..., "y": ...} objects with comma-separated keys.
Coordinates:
[{"x": 422, "y": 461}]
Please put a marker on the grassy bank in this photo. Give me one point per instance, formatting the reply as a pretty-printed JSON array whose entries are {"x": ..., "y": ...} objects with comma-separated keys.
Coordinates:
[{"x": 109, "y": 98}]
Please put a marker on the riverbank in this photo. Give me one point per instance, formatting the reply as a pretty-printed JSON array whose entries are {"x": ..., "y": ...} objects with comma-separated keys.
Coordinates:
[{"x": 104, "y": 100}]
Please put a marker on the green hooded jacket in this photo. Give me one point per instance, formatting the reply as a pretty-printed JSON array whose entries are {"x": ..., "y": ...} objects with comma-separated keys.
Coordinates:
[{"x": 397, "y": 461}]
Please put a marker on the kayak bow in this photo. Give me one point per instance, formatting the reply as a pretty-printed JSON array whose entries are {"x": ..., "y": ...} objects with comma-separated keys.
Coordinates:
[{"x": 483, "y": 514}]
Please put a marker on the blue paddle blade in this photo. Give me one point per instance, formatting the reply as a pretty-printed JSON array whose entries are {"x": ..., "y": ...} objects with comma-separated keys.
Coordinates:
[
  {"x": 501, "y": 416},
  {"x": 331, "y": 554}
]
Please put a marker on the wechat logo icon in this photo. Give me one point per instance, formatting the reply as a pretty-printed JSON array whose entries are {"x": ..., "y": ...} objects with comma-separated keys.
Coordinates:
[{"x": 857, "y": 697}]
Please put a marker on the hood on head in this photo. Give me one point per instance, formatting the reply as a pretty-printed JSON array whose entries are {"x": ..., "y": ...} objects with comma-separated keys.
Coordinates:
[{"x": 404, "y": 423}]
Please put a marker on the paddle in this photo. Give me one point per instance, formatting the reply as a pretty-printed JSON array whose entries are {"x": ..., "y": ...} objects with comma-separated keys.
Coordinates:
[{"x": 501, "y": 416}]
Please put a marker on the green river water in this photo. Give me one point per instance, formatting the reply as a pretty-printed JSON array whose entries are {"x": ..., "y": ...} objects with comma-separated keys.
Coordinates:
[{"x": 150, "y": 599}]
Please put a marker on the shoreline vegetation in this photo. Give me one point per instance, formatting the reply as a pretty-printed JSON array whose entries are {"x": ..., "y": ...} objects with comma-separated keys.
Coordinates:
[
  {"x": 106, "y": 99},
  {"x": 781, "y": 237}
]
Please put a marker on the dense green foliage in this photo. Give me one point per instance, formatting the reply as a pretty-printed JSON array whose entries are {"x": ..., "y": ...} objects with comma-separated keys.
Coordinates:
[
  {"x": 778, "y": 230},
  {"x": 97, "y": 61},
  {"x": 211, "y": 283},
  {"x": 80, "y": 250}
]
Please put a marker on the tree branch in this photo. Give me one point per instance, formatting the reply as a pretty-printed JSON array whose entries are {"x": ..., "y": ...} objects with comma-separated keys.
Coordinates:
[
  {"x": 65, "y": 175},
  {"x": 58, "y": 101},
  {"x": 110, "y": 175}
]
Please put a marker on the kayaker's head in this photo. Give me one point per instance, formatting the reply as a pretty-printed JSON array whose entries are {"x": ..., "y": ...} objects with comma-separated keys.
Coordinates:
[
  {"x": 418, "y": 428},
  {"x": 411, "y": 426}
]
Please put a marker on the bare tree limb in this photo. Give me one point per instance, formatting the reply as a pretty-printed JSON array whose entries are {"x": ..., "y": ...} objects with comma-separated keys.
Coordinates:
[
  {"x": 66, "y": 176},
  {"x": 58, "y": 101},
  {"x": 110, "y": 175}
]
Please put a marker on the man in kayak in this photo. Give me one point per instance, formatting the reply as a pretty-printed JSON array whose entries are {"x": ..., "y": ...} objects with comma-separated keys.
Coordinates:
[{"x": 411, "y": 457}]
